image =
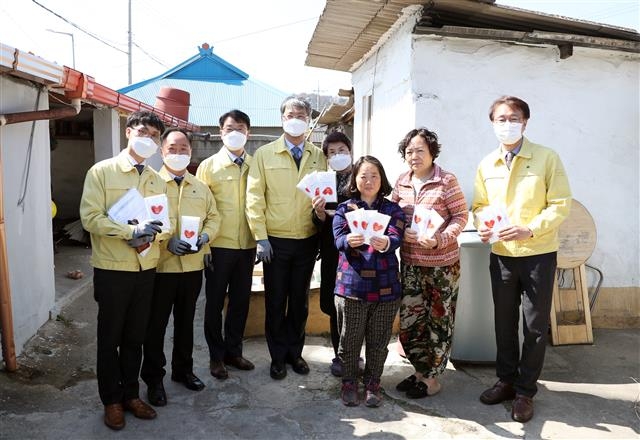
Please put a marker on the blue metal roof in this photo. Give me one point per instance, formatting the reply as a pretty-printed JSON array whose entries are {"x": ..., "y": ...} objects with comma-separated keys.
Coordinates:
[{"x": 215, "y": 87}]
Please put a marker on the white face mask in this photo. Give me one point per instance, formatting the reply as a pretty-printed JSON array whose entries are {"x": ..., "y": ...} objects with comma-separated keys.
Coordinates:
[
  {"x": 234, "y": 140},
  {"x": 508, "y": 133},
  {"x": 294, "y": 127},
  {"x": 339, "y": 162},
  {"x": 143, "y": 146},
  {"x": 177, "y": 162}
]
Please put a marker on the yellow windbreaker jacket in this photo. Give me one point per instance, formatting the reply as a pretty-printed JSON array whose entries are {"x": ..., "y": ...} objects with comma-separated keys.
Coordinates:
[
  {"x": 535, "y": 192},
  {"x": 104, "y": 184},
  {"x": 228, "y": 183},
  {"x": 275, "y": 206},
  {"x": 192, "y": 198}
]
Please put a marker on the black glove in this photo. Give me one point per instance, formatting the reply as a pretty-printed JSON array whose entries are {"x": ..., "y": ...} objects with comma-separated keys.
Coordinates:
[
  {"x": 208, "y": 261},
  {"x": 140, "y": 241},
  {"x": 178, "y": 247},
  {"x": 147, "y": 228},
  {"x": 202, "y": 240},
  {"x": 264, "y": 251}
]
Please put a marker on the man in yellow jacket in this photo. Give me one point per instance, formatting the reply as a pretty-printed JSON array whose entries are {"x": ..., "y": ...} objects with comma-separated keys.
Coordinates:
[
  {"x": 124, "y": 257},
  {"x": 280, "y": 218},
  {"x": 233, "y": 252},
  {"x": 179, "y": 273},
  {"x": 528, "y": 183}
]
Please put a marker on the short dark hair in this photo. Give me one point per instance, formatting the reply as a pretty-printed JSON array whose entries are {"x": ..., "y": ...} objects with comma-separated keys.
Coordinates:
[
  {"x": 513, "y": 102},
  {"x": 145, "y": 118},
  {"x": 385, "y": 186},
  {"x": 335, "y": 136},
  {"x": 295, "y": 101},
  {"x": 430, "y": 137},
  {"x": 236, "y": 115},
  {"x": 170, "y": 130}
]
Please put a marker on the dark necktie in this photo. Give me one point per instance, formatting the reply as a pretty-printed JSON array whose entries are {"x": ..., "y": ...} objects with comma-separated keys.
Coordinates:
[
  {"x": 238, "y": 161},
  {"x": 297, "y": 155},
  {"x": 178, "y": 179},
  {"x": 139, "y": 167},
  {"x": 509, "y": 159}
]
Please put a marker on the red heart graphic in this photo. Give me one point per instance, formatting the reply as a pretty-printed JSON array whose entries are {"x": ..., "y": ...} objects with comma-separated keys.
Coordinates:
[
  {"x": 317, "y": 191},
  {"x": 429, "y": 224},
  {"x": 188, "y": 233},
  {"x": 417, "y": 219},
  {"x": 499, "y": 217},
  {"x": 365, "y": 225},
  {"x": 490, "y": 224},
  {"x": 157, "y": 209},
  {"x": 327, "y": 191},
  {"x": 308, "y": 190},
  {"x": 377, "y": 226},
  {"x": 355, "y": 223}
]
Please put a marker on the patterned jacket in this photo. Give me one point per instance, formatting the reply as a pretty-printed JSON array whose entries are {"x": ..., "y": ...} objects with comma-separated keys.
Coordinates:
[
  {"x": 442, "y": 193},
  {"x": 364, "y": 273}
]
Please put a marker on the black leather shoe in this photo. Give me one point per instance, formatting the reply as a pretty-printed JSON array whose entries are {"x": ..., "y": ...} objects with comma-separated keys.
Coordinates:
[
  {"x": 156, "y": 395},
  {"x": 407, "y": 383},
  {"x": 499, "y": 392},
  {"x": 522, "y": 410},
  {"x": 278, "y": 370},
  {"x": 300, "y": 366},
  {"x": 189, "y": 380},
  {"x": 239, "y": 362},
  {"x": 218, "y": 370}
]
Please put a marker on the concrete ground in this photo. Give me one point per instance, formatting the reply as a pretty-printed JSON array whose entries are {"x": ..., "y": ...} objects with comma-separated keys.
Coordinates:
[{"x": 585, "y": 391}]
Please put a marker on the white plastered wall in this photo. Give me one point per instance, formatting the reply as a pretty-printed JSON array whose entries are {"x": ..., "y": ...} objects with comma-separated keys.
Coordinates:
[
  {"x": 585, "y": 107},
  {"x": 386, "y": 76},
  {"x": 28, "y": 227}
]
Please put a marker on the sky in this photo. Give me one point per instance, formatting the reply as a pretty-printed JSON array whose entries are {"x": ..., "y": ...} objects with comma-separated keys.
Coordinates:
[{"x": 266, "y": 39}]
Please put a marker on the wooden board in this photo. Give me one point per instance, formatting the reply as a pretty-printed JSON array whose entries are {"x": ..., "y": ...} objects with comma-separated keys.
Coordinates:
[
  {"x": 577, "y": 236},
  {"x": 570, "y": 313}
]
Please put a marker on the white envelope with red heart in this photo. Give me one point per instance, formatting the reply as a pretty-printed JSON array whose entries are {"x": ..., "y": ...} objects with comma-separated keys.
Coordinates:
[
  {"x": 158, "y": 209},
  {"x": 321, "y": 183},
  {"x": 189, "y": 228},
  {"x": 426, "y": 221},
  {"x": 326, "y": 184},
  {"x": 495, "y": 218},
  {"x": 368, "y": 222}
]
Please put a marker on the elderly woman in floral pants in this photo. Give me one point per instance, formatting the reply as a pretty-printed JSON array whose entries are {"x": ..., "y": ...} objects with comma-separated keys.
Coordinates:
[{"x": 430, "y": 267}]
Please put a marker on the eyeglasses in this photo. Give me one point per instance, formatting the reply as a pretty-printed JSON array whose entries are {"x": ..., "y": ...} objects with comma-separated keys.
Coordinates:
[
  {"x": 512, "y": 120},
  {"x": 144, "y": 132}
]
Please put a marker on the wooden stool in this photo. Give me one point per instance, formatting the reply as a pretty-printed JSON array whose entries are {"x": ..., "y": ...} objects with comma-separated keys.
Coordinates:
[{"x": 570, "y": 312}]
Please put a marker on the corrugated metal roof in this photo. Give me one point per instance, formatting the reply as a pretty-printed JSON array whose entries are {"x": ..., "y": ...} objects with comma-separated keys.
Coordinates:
[
  {"x": 210, "y": 100},
  {"x": 215, "y": 87},
  {"x": 73, "y": 84},
  {"x": 349, "y": 29}
]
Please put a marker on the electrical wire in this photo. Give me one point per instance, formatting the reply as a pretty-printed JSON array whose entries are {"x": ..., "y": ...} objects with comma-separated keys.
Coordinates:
[
  {"x": 157, "y": 60},
  {"x": 24, "y": 183},
  {"x": 80, "y": 29}
]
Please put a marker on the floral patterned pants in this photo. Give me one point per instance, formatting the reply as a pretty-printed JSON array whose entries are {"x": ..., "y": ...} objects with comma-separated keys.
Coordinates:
[{"x": 427, "y": 315}]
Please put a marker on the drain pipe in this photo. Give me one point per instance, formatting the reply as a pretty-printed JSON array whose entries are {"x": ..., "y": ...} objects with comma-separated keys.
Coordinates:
[
  {"x": 6, "y": 311},
  {"x": 6, "y": 316},
  {"x": 38, "y": 115}
]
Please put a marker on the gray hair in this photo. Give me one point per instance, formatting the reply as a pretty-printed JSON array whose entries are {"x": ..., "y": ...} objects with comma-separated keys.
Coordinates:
[{"x": 297, "y": 102}]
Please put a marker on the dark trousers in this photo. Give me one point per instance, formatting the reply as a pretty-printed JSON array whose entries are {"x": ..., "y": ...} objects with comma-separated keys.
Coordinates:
[
  {"x": 286, "y": 295},
  {"x": 178, "y": 292},
  {"x": 526, "y": 280},
  {"x": 328, "y": 267},
  {"x": 231, "y": 273},
  {"x": 124, "y": 300}
]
